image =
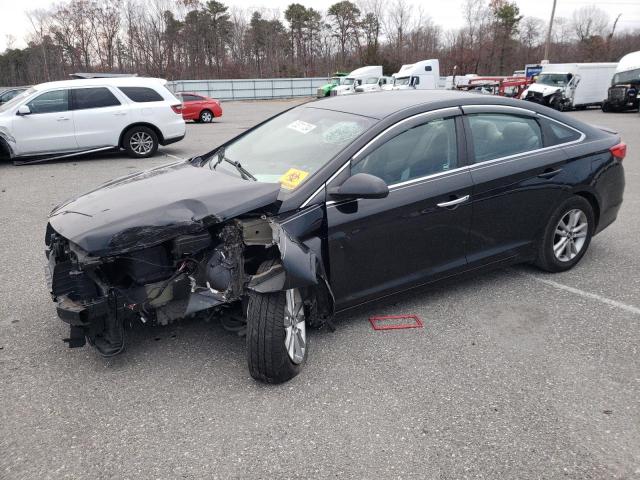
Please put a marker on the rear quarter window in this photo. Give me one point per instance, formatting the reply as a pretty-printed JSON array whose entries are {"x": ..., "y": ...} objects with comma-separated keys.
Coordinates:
[
  {"x": 141, "y": 94},
  {"x": 558, "y": 133}
]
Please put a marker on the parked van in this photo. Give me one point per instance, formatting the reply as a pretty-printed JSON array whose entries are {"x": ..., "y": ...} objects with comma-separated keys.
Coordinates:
[
  {"x": 80, "y": 116},
  {"x": 565, "y": 86},
  {"x": 424, "y": 75},
  {"x": 356, "y": 78},
  {"x": 624, "y": 92}
]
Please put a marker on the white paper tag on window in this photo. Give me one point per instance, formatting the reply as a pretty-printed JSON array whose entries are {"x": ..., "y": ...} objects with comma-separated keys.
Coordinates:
[{"x": 300, "y": 126}]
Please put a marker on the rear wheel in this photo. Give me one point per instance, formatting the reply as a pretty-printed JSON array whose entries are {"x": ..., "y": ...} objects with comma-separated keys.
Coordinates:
[
  {"x": 567, "y": 235},
  {"x": 206, "y": 116},
  {"x": 140, "y": 142},
  {"x": 276, "y": 334}
]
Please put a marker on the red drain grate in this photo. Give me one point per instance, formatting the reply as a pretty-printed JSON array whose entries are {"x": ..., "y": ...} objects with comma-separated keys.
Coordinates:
[{"x": 394, "y": 322}]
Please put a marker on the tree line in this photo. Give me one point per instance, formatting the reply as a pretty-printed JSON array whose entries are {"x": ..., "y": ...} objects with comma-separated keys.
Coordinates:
[{"x": 197, "y": 39}]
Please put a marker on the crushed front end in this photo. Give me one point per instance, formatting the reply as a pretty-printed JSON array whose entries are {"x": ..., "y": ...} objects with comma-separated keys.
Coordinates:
[{"x": 187, "y": 275}]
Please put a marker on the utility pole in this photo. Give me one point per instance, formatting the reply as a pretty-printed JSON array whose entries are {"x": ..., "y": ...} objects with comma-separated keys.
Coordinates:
[{"x": 548, "y": 42}]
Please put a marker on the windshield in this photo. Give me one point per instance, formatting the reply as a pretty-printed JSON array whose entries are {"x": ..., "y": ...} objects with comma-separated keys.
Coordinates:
[
  {"x": 348, "y": 81},
  {"x": 291, "y": 147},
  {"x": 402, "y": 80},
  {"x": 16, "y": 100},
  {"x": 335, "y": 80},
  {"x": 630, "y": 76},
  {"x": 555, "y": 79}
]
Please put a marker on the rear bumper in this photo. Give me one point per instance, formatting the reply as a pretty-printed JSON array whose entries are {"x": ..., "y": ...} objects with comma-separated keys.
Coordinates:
[
  {"x": 610, "y": 188},
  {"x": 169, "y": 141}
]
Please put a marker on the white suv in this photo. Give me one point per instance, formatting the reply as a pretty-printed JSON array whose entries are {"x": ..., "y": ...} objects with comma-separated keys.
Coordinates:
[{"x": 81, "y": 116}]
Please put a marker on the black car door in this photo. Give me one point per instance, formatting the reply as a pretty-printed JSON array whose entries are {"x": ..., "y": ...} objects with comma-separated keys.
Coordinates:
[
  {"x": 418, "y": 232},
  {"x": 517, "y": 182}
]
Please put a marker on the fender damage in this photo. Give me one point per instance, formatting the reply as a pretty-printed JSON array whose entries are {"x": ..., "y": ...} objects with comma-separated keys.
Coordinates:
[{"x": 184, "y": 253}]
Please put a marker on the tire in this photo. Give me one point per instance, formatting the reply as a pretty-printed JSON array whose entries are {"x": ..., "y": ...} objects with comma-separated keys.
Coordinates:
[
  {"x": 206, "y": 116},
  {"x": 268, "y": 359},
  {"x": 605, "y": 107},
  {"x": 140, "y": 142},
  {"x": 569, "y": 255}
]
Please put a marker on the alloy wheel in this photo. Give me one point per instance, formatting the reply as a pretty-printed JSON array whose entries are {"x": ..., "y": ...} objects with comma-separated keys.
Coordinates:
[
  {"x": 206, "y": 117},
  {"x": 295, "y": 341},
  {"x": 141, "y": 143},
  {"x": 570, "y": 235}
]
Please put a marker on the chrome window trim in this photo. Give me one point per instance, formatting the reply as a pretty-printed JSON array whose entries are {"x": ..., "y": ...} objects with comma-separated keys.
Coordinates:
[
  {"x": 508, "y": 107},
  {"x": 469, "y": 168},
  {"x": 454, "y": 110}
]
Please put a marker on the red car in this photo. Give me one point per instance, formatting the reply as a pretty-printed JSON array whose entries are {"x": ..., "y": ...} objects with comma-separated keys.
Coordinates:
[{"x": 199, "y": 108}]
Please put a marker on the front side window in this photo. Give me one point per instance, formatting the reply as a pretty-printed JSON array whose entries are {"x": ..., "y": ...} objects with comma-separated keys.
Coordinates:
[
  {"x": 292, "y": 146},
  {"x": 99, "y": 97},
  {"x": 497, "y": 135},
  {"x": 50, "y": 102},
  {"x": 141, "y": 94},
  {"x": 417, "y": 152}
]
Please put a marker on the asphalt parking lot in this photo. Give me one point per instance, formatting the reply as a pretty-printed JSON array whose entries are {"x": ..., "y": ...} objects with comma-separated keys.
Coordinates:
[{"x": 516, "y": 374}]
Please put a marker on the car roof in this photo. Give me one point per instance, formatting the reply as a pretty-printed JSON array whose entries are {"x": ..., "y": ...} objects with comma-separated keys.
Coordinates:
[
  {"x": 90, "y": 82},
  {"x": 382, "y": 104}
]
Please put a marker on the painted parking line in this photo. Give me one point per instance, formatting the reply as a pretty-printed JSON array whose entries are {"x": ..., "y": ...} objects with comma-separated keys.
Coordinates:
[
  {"x": 174, "y": 156},
  {"x": 582, "y": 293}
]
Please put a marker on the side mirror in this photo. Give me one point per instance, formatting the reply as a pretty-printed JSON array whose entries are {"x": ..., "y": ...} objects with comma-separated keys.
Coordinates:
[
  {"x": 360, "y": 185},
  {"x": 24, "y": 110}
]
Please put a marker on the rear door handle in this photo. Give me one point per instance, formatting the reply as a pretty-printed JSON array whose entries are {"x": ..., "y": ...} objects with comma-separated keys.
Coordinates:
[
  {"x": 63, "y": 119},
  {"x": 454, "y": 203},
  {"x": 550, "y": 173}
]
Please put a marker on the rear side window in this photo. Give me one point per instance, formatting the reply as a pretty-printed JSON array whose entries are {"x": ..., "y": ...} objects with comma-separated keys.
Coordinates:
[
  {"x": 99, "y": 97},
  {"x": 497, "y": 135},
  {"x": 191, "y": 98},
  {"x": 141, "y": 94},
  {"x": 50, "y": 102},
  {"x": 557, "y": 133}
]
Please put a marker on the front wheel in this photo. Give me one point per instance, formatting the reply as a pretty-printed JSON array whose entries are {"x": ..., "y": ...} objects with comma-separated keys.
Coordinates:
[
  {"x": 276, "y": 335},
  {"x": 206, "y": 116},
  {"x": 567, "y": 235}
]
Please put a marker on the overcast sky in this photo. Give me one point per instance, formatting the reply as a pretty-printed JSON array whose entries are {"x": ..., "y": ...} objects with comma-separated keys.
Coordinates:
[{"x": 447, "y": 13}]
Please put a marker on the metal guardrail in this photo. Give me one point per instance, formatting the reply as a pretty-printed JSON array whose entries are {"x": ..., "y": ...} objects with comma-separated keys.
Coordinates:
[{"x": 251, "y": 89}]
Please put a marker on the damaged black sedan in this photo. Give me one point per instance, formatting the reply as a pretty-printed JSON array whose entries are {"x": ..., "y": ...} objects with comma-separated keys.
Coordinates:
[{"x": 327, "y": 206}]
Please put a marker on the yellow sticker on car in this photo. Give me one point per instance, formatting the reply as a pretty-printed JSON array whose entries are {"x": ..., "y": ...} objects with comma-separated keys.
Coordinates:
[{"x": 292, "y": 178}]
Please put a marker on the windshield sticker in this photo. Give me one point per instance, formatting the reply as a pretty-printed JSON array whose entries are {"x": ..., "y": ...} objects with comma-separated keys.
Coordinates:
[
  {"x": 302, "y": 127},
  {"x": 292, "y": 178}
]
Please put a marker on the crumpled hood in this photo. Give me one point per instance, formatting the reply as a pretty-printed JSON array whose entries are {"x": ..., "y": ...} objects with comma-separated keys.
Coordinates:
[
  {"x": 544, "y": 89},
  {"x": 151, "y": 207}
]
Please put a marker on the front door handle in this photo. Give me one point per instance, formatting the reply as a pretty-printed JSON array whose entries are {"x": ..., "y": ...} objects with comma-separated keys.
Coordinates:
[
  {"x": 454, "y": 203},
  {"x": 63, "y": 119},
  {"x": 119, "y": 114},
  {"x": 550, "y": 173}
]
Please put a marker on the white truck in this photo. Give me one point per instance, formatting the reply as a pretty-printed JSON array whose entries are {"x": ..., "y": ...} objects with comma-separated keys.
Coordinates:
[
  {"x": 357, "y": 78},
  {"x": 624, "y": 92},
  {"x": 424, "y": 75},
  {"x": 374, "y": 84},
  {"x": 566, "y": 86}
]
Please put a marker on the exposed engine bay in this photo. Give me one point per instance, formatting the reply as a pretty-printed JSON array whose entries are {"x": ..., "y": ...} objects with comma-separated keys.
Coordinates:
[{"x": 196, "y": 273}]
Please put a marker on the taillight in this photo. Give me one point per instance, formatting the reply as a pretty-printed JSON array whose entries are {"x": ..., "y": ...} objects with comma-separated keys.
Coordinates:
[
  {"x": 619, "y": 151},
  {"x": 177, "y": 109}
]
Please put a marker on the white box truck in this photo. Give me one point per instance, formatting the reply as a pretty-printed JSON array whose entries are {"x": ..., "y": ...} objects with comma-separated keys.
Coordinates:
[
  {"x": 357, "y": 78},
  {"x": 424, "y": 75},
  {"x": 565, "y": 86},
  {"x": 624, "y": 92}
]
